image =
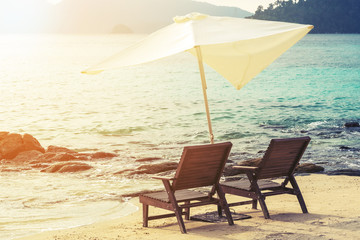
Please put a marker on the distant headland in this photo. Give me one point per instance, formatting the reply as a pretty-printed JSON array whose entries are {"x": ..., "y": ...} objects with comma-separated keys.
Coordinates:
[
  {"x": 121, "y": 29},
  {"x": 327, "y": 16}
]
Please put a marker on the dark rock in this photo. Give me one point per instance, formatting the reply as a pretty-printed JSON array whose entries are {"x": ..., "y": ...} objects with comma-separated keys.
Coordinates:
[
  {"x": 82, "y": 156},
  {"x": 31, "y": 143},
  {"x": 229, "y": 161},
  {"x": 11, "y": 145},
  {"x": 155, "y": 168},
  {"x": 308, "y": 168},
  {"x": 250, "y": 163},
  {"x": 45, "y": 158},
  {"x": 39, "y": 165},
  {"x": 147, "y": 159},
  {"x": 27, "y": 156},
  {"x": 56, "y": 149},
  {"x": 3, "y": 135},
  {"x": 67, "y": 167},
  {"x": 344, "y": 148},
  {"x": 136, "y": 194},
  {"x": 55, "y": 157},
  {"x": 230, "y": 171},
  {"x": 349, "y": 149},
  {"x": 323, "y": 163},
  {"x": 66, "y": 153},
  {"x": 98, "y": 155},
  {"x": 352, "y": 124},
  {"x": 62, "y": 157},
  {"x": 347, "y": 172}
]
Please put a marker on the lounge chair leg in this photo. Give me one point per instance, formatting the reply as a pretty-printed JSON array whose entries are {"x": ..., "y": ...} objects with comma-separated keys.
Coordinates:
[
  {"x": 264, "y": 207},
  {"x": 219, "y": 209},
  {"x": 302, "y": 202},
  {"x": 177, "y": 209},
  {"x": 145, "y": 214},
  {"x": 224, "y": 205},
  {"x": 254, "y": 204},
  {"x": 187, "y": 211},
  {"x": 261, "y": 199},
  {"x": 298, "y": 194},
  {"x": 180, "y": 220},
  {"x": 260, "y": 196}
]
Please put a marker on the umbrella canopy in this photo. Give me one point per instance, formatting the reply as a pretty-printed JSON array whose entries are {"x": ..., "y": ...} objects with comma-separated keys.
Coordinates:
[{"x": 236, "y": 48}]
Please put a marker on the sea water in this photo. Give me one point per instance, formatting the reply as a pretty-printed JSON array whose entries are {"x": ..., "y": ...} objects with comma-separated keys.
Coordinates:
[{"x": 154, "y": 110}]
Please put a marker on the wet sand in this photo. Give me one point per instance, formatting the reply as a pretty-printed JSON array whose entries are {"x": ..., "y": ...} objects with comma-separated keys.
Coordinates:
[{"x": 333, "y": 204}]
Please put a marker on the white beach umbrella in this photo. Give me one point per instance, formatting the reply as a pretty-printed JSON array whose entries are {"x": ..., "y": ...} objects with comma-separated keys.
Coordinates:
[{"x": 236, "y": 48}]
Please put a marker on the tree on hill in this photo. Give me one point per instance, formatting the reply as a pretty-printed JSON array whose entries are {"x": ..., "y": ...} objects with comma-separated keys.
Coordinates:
[
  {"x": 121, "y": 28},
  {"x": 327, "y": 16}
]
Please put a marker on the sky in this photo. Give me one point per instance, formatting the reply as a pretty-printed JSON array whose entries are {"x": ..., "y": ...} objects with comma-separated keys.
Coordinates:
[
  {"x": 29, "y": 16},
  {"x": 21, "y": 15}
]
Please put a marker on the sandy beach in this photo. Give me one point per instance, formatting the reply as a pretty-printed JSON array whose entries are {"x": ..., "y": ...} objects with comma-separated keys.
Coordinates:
[{"x": 332, "y": 201}]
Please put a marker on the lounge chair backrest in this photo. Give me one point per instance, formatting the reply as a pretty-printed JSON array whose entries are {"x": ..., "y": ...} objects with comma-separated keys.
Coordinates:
[
  {"x": 201, "y": 165},
  {"x": 282, "y": 157}
]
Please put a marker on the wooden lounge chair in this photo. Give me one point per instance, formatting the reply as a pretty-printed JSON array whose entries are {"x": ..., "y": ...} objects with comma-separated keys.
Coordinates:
[
  {"x": 199, "y": 166},
  {"x": 280, "y": 160}
]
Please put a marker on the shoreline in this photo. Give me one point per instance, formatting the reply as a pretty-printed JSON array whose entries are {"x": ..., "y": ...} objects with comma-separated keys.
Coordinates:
[{"x": 332, "y": 202}]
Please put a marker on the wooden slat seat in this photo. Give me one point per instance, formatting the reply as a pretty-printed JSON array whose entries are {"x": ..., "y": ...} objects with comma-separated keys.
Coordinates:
[
  {"x": 246, "y": 185},
  {"x": 280, "y": 160},
  {"x": 181, "y": 196},
  {"x": 199, "y": 166}
]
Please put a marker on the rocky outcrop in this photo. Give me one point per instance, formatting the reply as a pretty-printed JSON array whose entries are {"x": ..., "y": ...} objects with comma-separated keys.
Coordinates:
[
  {"x": 150, "y": 169},
  {"x": 56, "y": 149},
  {"x": 3, "y": 135},
  {"x": 351, "y": 124},
  {"x": 24, "y": 152},
  {"x": 64, "y": 167},
  {"x": 25, "y": 156},
  {"x": 148, "y": 159},
  {"x": 230, "y": 171},
  {"x": 99, "y": 155},
  {"x": 155, "y": 168},
  {"x": 49, "y": 157},
  {"x": 11, "y": 144},
  {"x": 31, "y": 143},
  {"x": 308, "y": 168}
]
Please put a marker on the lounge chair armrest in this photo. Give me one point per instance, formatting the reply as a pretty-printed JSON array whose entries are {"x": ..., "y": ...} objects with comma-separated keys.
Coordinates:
[
  {"x": 163, "y": 177},
  {"x": 246, "y": 169}
]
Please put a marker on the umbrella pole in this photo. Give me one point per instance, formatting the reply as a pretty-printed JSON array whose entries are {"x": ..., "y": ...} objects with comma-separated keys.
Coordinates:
[{"x": 204, "y": 87}]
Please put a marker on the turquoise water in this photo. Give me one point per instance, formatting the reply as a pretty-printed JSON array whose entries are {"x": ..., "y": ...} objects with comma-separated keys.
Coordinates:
[{"x": 155, "y": 109}]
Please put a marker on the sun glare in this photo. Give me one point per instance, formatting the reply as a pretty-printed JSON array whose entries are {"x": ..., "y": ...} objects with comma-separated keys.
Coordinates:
[
  {"x": 24, "y": 16},
  {"x": 54, "y": 1}
]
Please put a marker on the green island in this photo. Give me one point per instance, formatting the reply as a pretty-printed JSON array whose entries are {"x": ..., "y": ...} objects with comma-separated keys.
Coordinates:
[{"x": 327, "y": 16}]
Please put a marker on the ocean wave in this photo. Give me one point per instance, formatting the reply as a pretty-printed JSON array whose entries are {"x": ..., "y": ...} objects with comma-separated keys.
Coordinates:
[{"x": 121, "y": 132}]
